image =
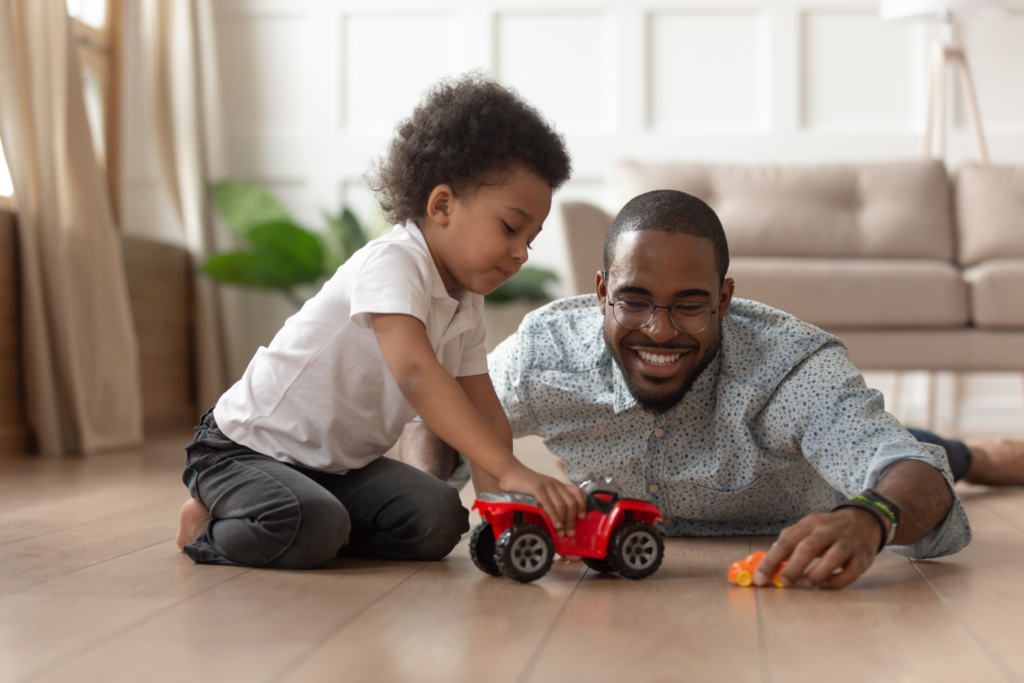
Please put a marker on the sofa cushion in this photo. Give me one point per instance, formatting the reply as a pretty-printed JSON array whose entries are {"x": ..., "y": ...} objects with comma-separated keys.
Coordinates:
[
  {"x": 990, "y": 213},
  {"x": 864, "y": 210},
  {"x": 862, "y": 293},
  {"x": 997, "y": 293}
]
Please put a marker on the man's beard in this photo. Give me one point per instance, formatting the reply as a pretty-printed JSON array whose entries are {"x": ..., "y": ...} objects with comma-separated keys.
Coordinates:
[{"x": 662, "y": 403}]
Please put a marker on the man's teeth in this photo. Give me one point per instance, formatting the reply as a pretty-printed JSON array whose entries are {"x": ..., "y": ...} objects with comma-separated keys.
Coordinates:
[{"x": 659, "y": 359}]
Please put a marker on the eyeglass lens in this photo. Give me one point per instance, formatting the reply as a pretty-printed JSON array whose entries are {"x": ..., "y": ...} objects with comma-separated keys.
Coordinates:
[{"x": 636, "y": 314}]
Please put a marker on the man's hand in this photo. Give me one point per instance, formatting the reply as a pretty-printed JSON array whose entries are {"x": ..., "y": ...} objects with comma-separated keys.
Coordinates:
[
  {"x": 846, "y": 539},
  {"x": 564, "y": 503}
]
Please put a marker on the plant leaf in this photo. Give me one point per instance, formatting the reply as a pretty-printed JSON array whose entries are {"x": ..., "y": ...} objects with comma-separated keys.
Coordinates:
[
  {"x": 284, "y": 255},
  {"x": 529, "y": 284},
  {"x": 295, "y": 251},
  {"x": 244, "y": 206},
  {"x": 348, "y": 233}
]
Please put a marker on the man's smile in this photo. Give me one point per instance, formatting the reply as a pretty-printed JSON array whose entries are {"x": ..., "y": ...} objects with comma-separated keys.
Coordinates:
[{"x": 659, "y": 362}]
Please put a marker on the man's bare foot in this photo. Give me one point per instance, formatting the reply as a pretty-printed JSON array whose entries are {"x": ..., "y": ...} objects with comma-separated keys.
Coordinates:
[
  {"x": 193, "y": 518},
  {"x": 997, "y": 463}
]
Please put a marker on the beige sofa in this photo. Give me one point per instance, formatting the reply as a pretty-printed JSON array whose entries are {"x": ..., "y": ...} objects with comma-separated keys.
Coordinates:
[{"x": 875, "y": 253}]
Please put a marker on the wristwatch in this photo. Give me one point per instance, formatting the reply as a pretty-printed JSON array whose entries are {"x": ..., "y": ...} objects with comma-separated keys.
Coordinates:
[{"x": 881, "y": 507}]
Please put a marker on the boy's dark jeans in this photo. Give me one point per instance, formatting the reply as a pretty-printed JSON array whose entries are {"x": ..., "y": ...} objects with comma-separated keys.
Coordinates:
[{"x": 270, "y": 514}]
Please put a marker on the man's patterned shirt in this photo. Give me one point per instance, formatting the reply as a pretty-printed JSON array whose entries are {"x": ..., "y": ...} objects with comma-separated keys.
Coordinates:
[{"x": 779, "y": 425}]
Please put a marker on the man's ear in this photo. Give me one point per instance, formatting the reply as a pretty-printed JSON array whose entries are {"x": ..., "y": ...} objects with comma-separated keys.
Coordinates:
[
  {"x": 728, "y": 287},
  {"x": 602, "y": 288},
  {"x": 439, "y": 204}
]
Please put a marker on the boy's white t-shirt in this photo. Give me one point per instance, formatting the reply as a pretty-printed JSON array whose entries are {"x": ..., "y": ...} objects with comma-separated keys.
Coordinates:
[{"x": 321, "y": 395}]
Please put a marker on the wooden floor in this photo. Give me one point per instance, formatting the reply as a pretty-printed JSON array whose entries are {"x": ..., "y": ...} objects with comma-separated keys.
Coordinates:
[{"x": 92, "y": 588}]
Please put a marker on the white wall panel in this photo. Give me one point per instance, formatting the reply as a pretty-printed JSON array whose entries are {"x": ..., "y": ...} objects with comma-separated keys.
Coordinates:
[
  {"x": 995, "y": 50},
  {"x": 708, "y": 71},
  {"x": 390, "y": 60},
  {"x": 266, "y": 72},
  {"x": 861, "y": 74},
  {"x": 564, "y": 64}
]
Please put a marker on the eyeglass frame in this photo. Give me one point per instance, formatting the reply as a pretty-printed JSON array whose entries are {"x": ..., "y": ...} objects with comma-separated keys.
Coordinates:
[{"x": 654, "y": 312}]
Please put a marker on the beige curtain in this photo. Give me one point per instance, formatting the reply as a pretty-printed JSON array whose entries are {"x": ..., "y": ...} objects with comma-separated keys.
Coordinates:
[
  {"x": 179, "y": 51},
  {"x": 80, "y": 352}
]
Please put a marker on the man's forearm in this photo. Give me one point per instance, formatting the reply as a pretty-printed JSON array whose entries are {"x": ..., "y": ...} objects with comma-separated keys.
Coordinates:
[
  {"x": 923, "y": 496},
  {"x": 425, "y": 451}
]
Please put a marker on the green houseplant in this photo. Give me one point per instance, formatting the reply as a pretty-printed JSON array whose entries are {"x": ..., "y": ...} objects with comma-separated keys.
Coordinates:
[{"x": 282, "y": 255}]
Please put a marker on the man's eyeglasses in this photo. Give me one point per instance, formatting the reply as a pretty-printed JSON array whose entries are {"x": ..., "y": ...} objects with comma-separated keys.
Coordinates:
[{"x": 688, "y": 317}]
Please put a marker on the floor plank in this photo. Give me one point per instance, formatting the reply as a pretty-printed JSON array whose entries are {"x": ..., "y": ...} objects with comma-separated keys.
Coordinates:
[
  {"x": 449, "y": 622},
  {"x": 983, "y": 585},
  {"x": 239, "y": 625},
  {"x": 39, "y": 631},
  {"x": 684, "y": 622},
  {"x": 34, "y": 560},
  {"x": 889, "y": 620}
]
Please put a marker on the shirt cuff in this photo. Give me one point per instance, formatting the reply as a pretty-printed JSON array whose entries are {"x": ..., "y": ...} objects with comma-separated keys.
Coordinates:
[
  {"x": 954, "y": 533},
  {"x": 474, "y": 367}
]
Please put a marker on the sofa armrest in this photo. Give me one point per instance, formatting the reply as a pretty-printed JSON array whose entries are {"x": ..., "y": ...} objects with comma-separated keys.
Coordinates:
[{"x": 585, "y": 228}]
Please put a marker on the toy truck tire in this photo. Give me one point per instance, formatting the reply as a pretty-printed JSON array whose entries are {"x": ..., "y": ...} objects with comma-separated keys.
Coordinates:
[
  {"x": 598, "y": 565},
  {"x": 635, "y": 550},
  {"x": 481, "y": 549},
  {"x": 524, "y": 552}
]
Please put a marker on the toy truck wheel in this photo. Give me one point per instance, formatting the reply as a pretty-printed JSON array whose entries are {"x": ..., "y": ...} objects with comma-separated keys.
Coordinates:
[
  {"x": 524, "y": 552},
  {"x": 635, "y": 550},
  {"x": 598, "y": 565},
  {"x": 481, "y": 549}
]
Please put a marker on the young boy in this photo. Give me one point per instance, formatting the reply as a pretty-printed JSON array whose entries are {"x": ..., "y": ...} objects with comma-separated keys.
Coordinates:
[{"x": 286, "y": 470}]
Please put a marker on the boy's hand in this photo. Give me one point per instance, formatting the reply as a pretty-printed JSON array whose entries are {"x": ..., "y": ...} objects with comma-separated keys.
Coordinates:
[{"x": 564, "y": 503}]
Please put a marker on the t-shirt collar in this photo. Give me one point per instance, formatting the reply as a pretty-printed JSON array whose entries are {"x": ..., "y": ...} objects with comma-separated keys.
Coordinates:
[{"x": 437, "y": 288}]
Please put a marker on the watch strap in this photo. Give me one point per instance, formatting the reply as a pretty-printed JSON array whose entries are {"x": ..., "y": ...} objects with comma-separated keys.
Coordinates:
[
  {"x": 883, "y": 503},
  {"x": 876, "y": 514}
]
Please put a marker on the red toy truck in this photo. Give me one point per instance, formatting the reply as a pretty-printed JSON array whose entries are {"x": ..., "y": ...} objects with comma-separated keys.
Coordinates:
[{"x": 517, "y": 538}]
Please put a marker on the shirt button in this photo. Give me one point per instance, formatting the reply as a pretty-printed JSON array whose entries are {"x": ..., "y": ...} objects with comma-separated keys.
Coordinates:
[
  {"x": 654, "y": 488},
  {"x": 659, "y": 432}
]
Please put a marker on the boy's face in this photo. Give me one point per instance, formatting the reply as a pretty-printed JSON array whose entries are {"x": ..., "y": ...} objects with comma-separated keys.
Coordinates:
[{"x": 489, "y": 230}]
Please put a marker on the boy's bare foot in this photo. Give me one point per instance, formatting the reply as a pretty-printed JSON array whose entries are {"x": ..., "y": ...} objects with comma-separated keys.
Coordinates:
[
  {"x": 193, "y": 518},
  {"x": 997, "y": 463}
]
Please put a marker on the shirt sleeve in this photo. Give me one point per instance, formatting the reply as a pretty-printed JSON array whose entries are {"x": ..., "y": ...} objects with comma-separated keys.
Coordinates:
[
  {"x": 474, "y": 354},
  {"x": 395, "y": 279},
  {"x": 825, "y": 410},
  {"x": 511, "y": 383}
]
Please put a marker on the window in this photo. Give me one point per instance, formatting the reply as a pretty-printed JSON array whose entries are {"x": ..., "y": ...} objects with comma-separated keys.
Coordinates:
[
  {"x": 6, "y": 187},
  {"x": 96, "y": 27}
]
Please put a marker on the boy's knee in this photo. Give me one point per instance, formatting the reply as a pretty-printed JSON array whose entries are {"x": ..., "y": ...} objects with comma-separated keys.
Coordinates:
[
  {"x": 443, "y": 521},
  {"x": 322, "y": 530}
]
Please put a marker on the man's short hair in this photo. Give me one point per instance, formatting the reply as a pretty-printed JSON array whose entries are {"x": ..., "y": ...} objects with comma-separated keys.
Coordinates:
[{"x": 670, "y": 211}]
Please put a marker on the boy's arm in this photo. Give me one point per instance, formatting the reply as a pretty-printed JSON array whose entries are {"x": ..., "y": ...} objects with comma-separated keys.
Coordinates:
[
  {"x": 481, "y": 394},
  {"x": 447, "y": 410}
]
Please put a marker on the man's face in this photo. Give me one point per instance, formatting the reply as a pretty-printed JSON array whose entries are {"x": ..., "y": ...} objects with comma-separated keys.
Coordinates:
[{"x": 659, "y": 362}]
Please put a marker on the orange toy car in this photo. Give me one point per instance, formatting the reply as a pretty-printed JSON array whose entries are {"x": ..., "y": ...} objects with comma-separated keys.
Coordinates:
[{"x": 741, "y": 572}]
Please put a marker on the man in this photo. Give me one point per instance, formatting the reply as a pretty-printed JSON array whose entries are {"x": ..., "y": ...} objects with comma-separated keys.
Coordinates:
[{"x": 733, "y": 417}]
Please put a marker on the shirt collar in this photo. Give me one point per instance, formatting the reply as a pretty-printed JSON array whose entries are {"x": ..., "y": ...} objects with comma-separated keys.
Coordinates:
[
  {"x": 470, "y": 305},
  {"x": 705, "y": 389},
  {"x": 437, "y": 288},
  {"x": 623, "y": 399}
]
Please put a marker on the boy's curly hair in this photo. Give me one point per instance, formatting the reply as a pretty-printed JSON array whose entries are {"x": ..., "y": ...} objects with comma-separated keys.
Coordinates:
[{"x": 465, "y": 130}]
